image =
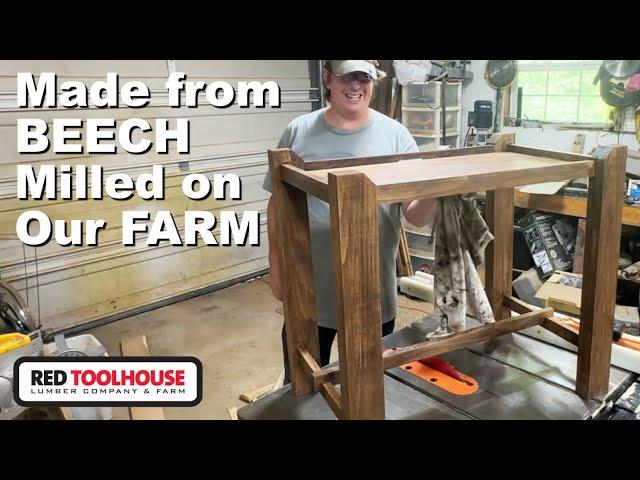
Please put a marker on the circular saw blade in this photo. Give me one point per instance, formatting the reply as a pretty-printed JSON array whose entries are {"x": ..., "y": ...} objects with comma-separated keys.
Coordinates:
[
  {"x": 621, "y": 68},
  {"x": 15, "y": 315},
  {"x": 71, "y": 353}
]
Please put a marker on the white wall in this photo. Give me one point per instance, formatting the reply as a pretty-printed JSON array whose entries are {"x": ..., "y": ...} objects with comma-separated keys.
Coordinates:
[{"x": 554, "y": 139}]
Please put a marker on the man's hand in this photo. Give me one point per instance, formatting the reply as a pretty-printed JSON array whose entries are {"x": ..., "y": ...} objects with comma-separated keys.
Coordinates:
[
  {"x": 274, "y": 257},
  {"x": 419, "y": 212}
]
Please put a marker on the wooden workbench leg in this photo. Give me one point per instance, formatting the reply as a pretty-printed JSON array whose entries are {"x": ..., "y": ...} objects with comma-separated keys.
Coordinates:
[
  {"x": 356, "y": 266},
  {"x": 499, "y": 256},
  {"x": 296, "y": 271},
  {"x": 601, "y": 251}
]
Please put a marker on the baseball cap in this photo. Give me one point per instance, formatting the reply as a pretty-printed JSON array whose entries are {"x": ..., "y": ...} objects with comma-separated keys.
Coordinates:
[{"x": 342, "y": 67}]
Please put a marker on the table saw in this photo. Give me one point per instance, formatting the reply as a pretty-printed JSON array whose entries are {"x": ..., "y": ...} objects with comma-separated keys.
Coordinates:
[{"x": 518, "y": 377}]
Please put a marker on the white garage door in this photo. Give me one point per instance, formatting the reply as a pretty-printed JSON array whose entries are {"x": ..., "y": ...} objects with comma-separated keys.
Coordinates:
[{"x": 70, "y": 286}]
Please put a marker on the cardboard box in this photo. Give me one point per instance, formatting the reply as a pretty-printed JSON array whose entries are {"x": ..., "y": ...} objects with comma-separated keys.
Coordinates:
[
  {"x": 568, "y": 298},
  {"x": 548, "y": 253},
  {"x": 563, "y": 298}
]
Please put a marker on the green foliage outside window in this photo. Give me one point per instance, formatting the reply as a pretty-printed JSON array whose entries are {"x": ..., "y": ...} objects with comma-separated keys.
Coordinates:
[{"x": 560, "y": 91}]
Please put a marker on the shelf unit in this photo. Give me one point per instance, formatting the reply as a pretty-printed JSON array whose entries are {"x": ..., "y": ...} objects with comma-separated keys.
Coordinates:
[
  {"x": 422, "y": 113},
  {"x": 572, "y": 206},
  {"x": 353, "y": 188},
  {"x": 420, "y": 245}
]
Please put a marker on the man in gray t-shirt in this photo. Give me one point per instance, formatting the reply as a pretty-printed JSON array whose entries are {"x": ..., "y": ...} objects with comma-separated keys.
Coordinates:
[{"x": 348, "y": 128}]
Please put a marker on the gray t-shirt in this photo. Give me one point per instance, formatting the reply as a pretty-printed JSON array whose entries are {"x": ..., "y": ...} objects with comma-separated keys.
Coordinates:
[{"x": 313, "y": 138}]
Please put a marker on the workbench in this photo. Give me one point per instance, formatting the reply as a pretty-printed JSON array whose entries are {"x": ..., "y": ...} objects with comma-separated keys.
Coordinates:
[
  {"x": 564, "y": 204},
  {"x": 573, "y": 207},
  {"x": 568, "y": 205},
  {"x": 353, "y": 188}
]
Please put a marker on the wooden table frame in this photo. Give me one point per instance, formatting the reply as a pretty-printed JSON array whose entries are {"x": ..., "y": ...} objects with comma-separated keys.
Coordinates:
[{"x": 353, "y": 187}]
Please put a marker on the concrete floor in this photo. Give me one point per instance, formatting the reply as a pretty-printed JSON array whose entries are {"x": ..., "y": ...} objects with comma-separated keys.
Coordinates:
[{"x": 234, "y": 332}]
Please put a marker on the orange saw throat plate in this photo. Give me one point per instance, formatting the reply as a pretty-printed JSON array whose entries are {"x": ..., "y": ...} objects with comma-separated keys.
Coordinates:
[{"x": 442, "y": 380}]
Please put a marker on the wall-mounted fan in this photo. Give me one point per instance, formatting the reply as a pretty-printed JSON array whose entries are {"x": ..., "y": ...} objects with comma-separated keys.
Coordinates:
[{"x": 500, "y": 74}]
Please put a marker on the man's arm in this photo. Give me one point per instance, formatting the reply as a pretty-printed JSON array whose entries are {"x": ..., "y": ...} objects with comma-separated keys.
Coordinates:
[
  {"x": 274, "y": 254},
  {"x": 419, "y": 212}
]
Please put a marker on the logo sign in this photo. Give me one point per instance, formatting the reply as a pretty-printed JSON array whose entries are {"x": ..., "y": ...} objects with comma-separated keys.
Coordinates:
[{"x": 105, "y": 381}]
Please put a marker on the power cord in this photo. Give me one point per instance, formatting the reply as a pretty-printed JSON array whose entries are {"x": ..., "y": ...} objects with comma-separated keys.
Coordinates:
[
  {"x": 464, "y": 144},
  {"x": 415, "y": 309}
]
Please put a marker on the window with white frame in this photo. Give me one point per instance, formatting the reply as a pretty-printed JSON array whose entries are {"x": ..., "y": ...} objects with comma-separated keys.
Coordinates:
[{"x": 559, "y": 91}]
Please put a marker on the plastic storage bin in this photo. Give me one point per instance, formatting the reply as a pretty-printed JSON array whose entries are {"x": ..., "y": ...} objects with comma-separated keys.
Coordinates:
[
  {"x": 420, "y": 121},
  {"x": 452, "y": 117},
  {"x": 428, "y": 122},
  {"x": 427, "y": 143},
  {"x": 428, "y": 95},
  {"x": 421, "y": 95}
]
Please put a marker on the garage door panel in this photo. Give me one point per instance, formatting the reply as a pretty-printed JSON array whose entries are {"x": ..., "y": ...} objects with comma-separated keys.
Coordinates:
[
  {"x": 204, "y": 130},
  {"x": 18, "y": 261},
  {"x": 75, "y": 69},
  {"x": 214, "y": 129},
  {"x": 111, "y": 211},
  {"x": 9, "y": 145},
  {"x": 63, "y": 266},
  {"x": 128, "y": 302},
  {"x": 258, "y": 69},
  {"x": 177, "y": 264},
  {"x": 200, "y": 156},
  {"x": 290, "y": 101},
  {"x": 79, "y": 285},
  {"x": 250, "y": 174}
]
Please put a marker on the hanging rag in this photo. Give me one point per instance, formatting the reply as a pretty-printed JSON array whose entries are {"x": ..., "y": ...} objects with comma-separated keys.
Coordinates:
[{"x": 461, "y": 237}]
